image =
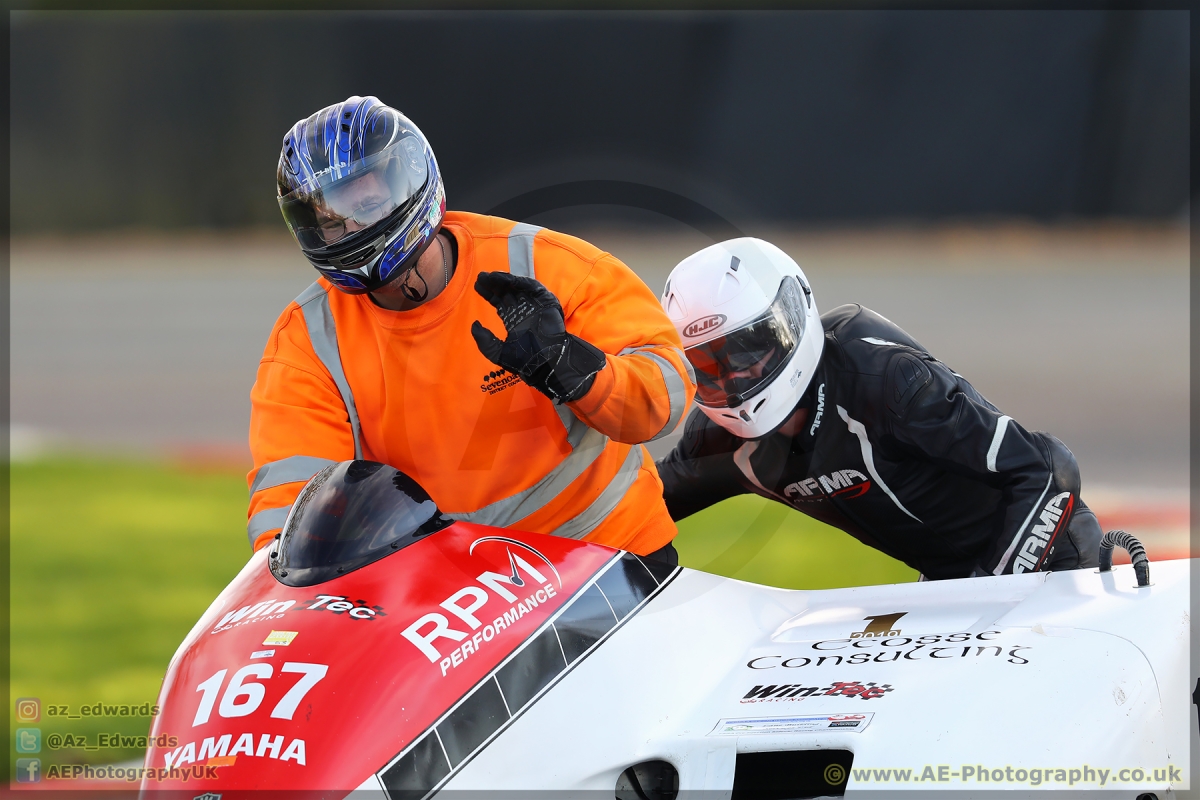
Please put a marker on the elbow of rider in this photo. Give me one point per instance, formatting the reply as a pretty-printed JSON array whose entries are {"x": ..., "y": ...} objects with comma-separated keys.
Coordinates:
[{"x": 1063, "y": 467}]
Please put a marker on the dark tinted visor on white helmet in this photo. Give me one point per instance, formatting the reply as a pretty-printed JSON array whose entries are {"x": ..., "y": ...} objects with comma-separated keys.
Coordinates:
[
  {"x": 324, "y": 210},
  {"x": 733, "y": 368}
]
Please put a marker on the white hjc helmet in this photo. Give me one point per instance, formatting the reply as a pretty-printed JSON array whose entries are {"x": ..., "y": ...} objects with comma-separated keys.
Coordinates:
[{"x": 750, "y": 328}]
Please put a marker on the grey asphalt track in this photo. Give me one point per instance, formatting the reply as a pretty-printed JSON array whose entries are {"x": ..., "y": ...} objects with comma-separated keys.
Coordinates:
[{"x": 151, "y": 343}]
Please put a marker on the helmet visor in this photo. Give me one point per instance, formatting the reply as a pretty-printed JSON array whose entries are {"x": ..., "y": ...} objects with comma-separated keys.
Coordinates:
[
  {"x": 331, "y": 206},
  {"x": 732, "y": 368}
]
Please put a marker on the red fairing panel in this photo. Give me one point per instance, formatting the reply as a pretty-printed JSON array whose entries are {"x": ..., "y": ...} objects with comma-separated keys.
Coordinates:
[{"x": 317, "y": 688}]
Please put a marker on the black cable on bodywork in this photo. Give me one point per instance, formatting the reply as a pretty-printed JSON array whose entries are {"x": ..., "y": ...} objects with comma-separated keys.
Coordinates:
[{"x": 1137, "y": 554}]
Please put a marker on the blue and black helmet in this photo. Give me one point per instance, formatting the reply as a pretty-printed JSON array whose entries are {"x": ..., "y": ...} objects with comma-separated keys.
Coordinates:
[{"x": 360, "y": 191}]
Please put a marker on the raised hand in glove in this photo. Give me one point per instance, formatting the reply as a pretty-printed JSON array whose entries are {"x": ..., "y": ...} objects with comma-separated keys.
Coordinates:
[{"x": 558, "y": 364}]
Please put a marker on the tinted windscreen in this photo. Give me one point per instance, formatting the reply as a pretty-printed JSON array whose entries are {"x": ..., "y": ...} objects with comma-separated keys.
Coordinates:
[{"x": 348, "y": 516}]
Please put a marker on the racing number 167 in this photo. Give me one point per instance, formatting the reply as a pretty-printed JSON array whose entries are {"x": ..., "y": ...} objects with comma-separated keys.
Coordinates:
[{"x": 243, "y": 696}]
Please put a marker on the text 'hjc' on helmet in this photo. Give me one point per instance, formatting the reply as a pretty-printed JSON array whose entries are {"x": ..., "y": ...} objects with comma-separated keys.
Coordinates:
[
  {"x": 360, "y": 190},
  {"x": 751, "y": 330}
]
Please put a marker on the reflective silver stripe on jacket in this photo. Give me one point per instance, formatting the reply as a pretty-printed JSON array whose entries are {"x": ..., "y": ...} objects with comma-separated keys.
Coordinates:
[
  {"x": 859, "y": 430},
  {"x": 741, "y": 459},
  {"x": 676, "y": 389},
  {"x": 520, "y": 249},
  {"x": 314, "y": 303},
  {"x": 583, "y": 524},
  {"x": 520, "y": 505},
  {"x": 266, "y": 520},
  {"x": 288, "y": 470},
  {"x": 1021, "y": 530},
  {"x": 520, "y": 262},
  {"x": 994, "y": 450},
  {"x": 576, "y": 428}
]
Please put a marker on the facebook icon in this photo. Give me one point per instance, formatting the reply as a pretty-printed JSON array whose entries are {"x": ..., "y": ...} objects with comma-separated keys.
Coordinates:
[{"x": 29, "y": 770}]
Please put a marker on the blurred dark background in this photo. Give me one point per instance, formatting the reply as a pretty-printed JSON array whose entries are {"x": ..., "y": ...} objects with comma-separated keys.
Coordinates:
[
  {"x": 1011, "y": 187},
  {"x": 155, "y": 120}
]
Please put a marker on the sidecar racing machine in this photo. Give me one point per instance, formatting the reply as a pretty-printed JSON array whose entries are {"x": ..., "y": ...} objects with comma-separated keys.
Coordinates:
[{"x": 379, "y": 649}]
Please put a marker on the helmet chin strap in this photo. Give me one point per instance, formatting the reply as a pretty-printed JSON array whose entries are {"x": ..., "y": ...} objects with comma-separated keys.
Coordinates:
[
  {"x": 412, "y": 293},
  {"x": 419, "y": 296}
]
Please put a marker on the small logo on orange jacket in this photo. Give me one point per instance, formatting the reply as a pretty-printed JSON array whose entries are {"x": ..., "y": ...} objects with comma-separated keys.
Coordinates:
[{"x": 498, "y": 380}]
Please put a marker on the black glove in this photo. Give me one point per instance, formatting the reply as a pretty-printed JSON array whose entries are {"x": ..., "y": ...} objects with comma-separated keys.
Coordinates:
[{"x": 558, "y": 364}]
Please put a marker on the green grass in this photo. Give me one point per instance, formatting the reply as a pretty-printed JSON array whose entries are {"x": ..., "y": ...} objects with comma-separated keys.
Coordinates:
[
  {"x": 760, "y": 541},
  {"x": 113, "y": 561}
]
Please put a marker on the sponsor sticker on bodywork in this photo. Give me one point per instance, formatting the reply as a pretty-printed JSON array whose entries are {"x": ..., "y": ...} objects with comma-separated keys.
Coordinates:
[
  {"x": 794, "y": 691},
  {"x": 874, "y": 646},
  {"x": 817, "y": 723},
  {"x": 281, "y": 637}
]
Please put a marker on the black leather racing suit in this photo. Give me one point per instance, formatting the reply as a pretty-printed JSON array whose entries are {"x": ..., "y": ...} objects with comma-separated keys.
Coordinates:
[{"x": 903, "y": 454}]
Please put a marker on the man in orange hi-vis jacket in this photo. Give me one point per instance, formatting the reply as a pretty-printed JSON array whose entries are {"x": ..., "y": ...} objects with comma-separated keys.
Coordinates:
[{"x": 512, "y": 371}]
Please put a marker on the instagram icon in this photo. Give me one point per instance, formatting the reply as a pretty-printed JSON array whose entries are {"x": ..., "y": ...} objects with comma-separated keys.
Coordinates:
[{"x": 29, "y": 709}]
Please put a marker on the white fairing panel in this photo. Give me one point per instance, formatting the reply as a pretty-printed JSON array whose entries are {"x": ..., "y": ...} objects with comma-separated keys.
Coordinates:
[{"x": 1078, "y": 675}]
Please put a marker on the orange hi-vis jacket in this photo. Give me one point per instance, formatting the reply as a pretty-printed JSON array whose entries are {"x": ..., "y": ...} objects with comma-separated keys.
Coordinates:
[{"x": 343, "y": 378}]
